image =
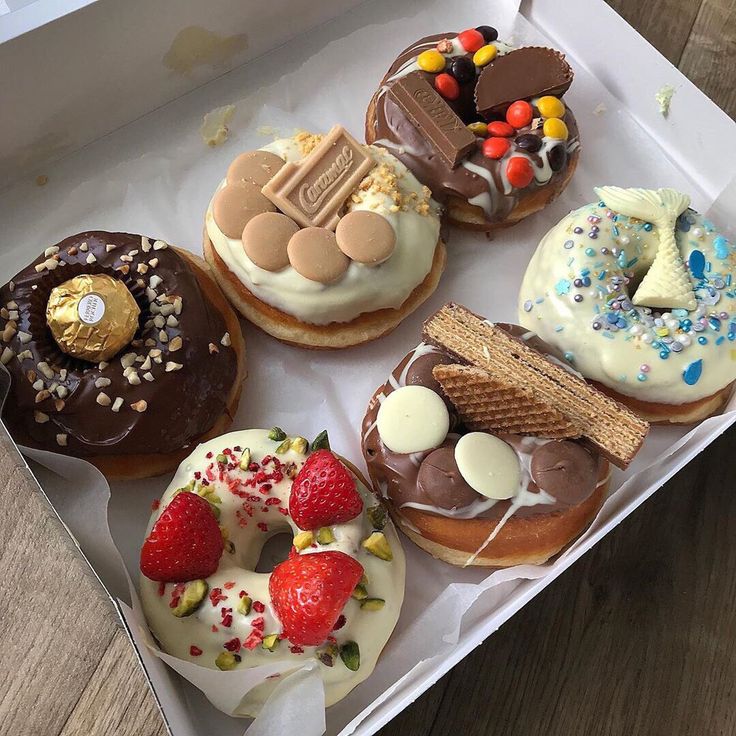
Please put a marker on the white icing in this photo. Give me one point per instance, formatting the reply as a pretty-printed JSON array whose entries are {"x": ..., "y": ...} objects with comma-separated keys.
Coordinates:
[
  {"x": 488, "y": 464},
  {"x": 370, "y": 629},
  {"x": 413, "y": 419},
  {"x": 361, "y": 289},
  {"x": 615, "y": 356}
]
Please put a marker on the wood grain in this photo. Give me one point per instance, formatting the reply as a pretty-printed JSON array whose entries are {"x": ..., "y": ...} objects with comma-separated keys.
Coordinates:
[{"x": 637, "y": 638}]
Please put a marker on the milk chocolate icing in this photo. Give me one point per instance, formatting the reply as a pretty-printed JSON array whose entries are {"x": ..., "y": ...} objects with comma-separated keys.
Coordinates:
[
  {"x": 395, "y": 131},
  {"x": 171, "y": 383},
  {"x": 565, "y": 470}
]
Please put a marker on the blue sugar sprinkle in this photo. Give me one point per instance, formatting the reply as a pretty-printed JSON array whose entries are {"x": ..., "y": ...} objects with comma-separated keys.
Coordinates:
[
  {"x": 648, "y": 226},
  {"x": 570, "y": 260},
  {"x": 692, "y": 373},
  {"x": 569, "y": 357},
  {"x": 528, "y": 306},
  {"x": 568, "y": 244},
  {"x": 679, "y": 312},
  {"x": 703, "y": 340},
  {"x": 559, "y": 328},
  {"x": 632, "y": 262},
  {"x": 721, "y": 340},
  {"x": 609, "y": 335},
  {"x": 589, "y": 252},
  {"x": 539, "y": 300},
  {"x": 614, "y": 230},
  {"x": 562, "y": 287},
  {"x": 721, "y": 246},
  {"x": 585, "y": 272}
]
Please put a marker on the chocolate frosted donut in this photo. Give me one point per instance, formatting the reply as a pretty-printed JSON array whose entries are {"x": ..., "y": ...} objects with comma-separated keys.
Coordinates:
[
  {"x": 176, "y": 372},
  {"x": 561, "y": 484},
  {"x": 513, "y": 144}
]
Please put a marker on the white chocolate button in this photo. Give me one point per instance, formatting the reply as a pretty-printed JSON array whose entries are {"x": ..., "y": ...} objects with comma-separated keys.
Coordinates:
[
  {"x": 412, "y": 419},
  {"x": 488, "y": 464}
]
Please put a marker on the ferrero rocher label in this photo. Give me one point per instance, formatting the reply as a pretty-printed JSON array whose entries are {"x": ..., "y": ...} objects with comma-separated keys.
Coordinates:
[{"x": 92, "y": 316}]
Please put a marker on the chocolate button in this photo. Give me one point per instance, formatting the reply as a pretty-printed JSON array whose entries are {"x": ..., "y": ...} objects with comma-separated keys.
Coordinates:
[
  {"x": 265, "y": 240},
  {"x": 255, "y": 166},
  {"x": 366, "y": 237},
  {"x": 236, "y": 204},
  {"x": 565, "y": 470},
  {"x": 313, "y": 253},
  {"x": 440, "y": 480}
]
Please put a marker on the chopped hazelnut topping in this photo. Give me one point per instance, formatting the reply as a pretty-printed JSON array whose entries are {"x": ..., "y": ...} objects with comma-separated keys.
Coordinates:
[
  {"x": 109, "y": 248},
  {"x": 226, "y": 340},
  {"x": 171, "y": 366},
  {"x": 175, "y": 344},
  {"x": 213, "y": 348},
  {"x": 43, "y": 366},
  {"x": 103, "y": 399},
  {"x": 40, "y": 417},
  {"x": 160, "y": 245},
  {"x": 102, "y": 382},
  {"x": 61, "y": 440},
  {"x": 139, "y": 406},
  {"x": 6, "y": 356},
  {"x": 42, "y": 396},
  {"x": 91, "y": 258},
  {"x": 117, "y": 404}
]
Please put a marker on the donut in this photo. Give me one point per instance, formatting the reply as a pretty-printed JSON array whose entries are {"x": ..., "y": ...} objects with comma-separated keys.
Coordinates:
[
  {"x": 636, "y": 290},
  {"x": 334, "y": 600},
  {"x": 323, "y": 242},
  {"x": 107, "y": 338},
  {"x": 486, "y": 446},
  {"x": 481, "y": 124}
]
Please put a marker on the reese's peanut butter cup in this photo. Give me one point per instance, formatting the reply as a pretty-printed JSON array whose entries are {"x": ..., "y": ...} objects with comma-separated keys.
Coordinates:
[{"x": 92, "y": 316}]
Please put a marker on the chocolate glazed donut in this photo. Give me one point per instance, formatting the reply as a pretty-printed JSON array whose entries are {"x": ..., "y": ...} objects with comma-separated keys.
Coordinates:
[
  {"x": 174, "y": 382},
  {"x": 438, "y": 510},
  {"x": 478, "y": 193}
]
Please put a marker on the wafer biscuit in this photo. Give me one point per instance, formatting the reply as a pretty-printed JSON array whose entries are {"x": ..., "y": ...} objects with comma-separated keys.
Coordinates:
[{"x": 614, "y": 430}]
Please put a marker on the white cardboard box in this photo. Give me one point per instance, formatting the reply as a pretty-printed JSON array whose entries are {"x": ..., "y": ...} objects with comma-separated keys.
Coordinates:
[{"x": 87, "y": 94}]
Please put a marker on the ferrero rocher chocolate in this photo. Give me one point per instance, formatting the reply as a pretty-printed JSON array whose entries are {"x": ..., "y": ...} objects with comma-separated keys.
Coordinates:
[{"x": 92, "y": 316}]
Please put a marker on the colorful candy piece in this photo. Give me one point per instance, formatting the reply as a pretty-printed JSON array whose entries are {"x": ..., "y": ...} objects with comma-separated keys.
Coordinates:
[
  {"x": 485, "y": 55},
  {"x": 697, "y": 264},
  {"x": 495, "y": 148},
  {"x": 519, "y": 172},
  {"x": 499, "y": 128},
  {"x": 462, "y": 69},
  {"x": 489, "y": 33},
  {"x": 691, "y": 374},
  {"x": 550, "y": 106},
  {"x": 447, "y": 86},
  {"x": 529, "y": 142},
  {"x": 478, "y": 128},
  {"x": 519, "y": 114},
  {"x": 431, "y": 61},
  {"x": 555, "y": 128},
  {"x": 471, "y": 40}
]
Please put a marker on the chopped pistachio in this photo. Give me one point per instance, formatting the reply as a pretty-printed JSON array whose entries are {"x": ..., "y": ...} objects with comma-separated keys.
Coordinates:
[
  {"x": 277, "y": 434},
  {"x": 321, "y": 441},
  {"x": 360, "y": 593},
  {"x": 378, "y": 545},
  {"x": 327, "y": 654},
  {"x": 350, "y": 655},
  {"x": 300, "y": 445},
  {"x": 303, "y": 540},
  {"x": 221, "y": 458},
  {"x": 284, "y": 446},
  {"x": 372, "y": 604},
  {"x": 245, "y": 459},
  {"x": 377, "y": 516},
  {"x": 325, "y": 535},
  {"x": 270, "y": 642},
  {"x": 189, "y": 601},
  {"x": 227, "y": 661},
  {"x": 245, "y": 604}
]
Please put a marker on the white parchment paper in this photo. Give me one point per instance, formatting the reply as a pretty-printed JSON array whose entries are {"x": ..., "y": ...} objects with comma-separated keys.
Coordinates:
[{"x": 155, "y": 177}]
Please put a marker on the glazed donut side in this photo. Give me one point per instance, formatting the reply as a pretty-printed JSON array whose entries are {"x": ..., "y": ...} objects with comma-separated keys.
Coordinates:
[
  {"x": 90, "y": 405},
  {"x": 286, "y": 328}
]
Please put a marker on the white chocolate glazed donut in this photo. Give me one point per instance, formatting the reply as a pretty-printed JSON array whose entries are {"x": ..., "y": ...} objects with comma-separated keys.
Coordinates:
[
  {"x": 581, "y": 289},
  {"x": 200, "y": 637},
  {"x": 407, "y": 206}
]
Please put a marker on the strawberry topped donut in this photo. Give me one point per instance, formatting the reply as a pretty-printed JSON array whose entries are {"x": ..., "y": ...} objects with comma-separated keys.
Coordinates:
[
  {"x": 323, "y": 242},
  {"x": 481, "y": 124},
  {"x": 334, "y": 600}
]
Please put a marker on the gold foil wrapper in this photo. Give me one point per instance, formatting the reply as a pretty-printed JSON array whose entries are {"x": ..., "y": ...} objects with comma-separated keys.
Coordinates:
[{"x": 92, "y": 316}]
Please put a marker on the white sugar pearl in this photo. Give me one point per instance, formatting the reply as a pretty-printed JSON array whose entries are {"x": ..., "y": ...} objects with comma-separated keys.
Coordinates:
[{"x": 646, "y": 338}]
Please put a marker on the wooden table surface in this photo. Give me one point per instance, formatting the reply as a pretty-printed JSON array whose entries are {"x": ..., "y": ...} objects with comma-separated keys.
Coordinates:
[{"x": 637, "y": 638}]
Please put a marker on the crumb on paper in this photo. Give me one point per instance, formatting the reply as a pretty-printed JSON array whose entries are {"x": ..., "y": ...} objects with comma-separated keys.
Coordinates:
[
  {"x": 599, "y": 109},
  {"x": 269, "y": 131},
  {"x": 195, "y": 47},
  {"x": 42, "y": 180},
  {"x": 664, "y": 99},
  {"x": 214, "y": 130}
]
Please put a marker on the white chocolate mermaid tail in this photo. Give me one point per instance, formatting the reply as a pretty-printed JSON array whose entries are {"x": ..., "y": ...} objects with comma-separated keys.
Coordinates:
[{"x": 666, "y": 283}]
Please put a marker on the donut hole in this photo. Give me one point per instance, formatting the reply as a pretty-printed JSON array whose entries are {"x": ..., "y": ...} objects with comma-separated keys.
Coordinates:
[{"x": 274, "y": 551}]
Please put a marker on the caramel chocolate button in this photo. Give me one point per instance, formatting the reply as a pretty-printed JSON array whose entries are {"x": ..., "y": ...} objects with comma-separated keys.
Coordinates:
[
  {"x": 531, "y": 71},
  {"x": 236, "y": 204},
  {"x": 313, "y": 253},
  {"x": 365, "y": 237},
  {"x": 254, "y": 166},
  {"x": 265, "y": 240}
]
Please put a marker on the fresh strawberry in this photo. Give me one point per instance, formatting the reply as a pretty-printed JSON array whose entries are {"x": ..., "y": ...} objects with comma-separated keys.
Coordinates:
[
  {"x": 323, "y": 493},
  {"x": 309, "y": 591},
  {"x": 185, "y": 543}
]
